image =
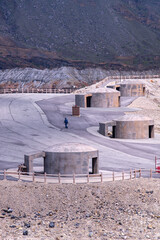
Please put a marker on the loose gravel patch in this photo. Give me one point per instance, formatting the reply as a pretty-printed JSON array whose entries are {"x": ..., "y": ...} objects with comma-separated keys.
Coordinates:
[{"x": 127, "y": 209}]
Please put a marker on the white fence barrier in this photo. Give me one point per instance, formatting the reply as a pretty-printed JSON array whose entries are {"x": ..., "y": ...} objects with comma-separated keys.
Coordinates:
[
  {"x": 35, "y": 90},
  {"x": 77, "y": 178}
]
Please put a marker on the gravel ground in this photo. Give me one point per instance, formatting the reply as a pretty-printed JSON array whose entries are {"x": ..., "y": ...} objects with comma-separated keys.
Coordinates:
[{"x": 127, "y": 209}]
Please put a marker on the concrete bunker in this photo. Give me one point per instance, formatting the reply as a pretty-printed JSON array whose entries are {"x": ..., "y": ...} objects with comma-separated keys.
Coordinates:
[
  {"x": 100, "y": 97},
  {"x": 67, "y": 159},
  {"x": 129, "y": 127},
  {"x": 130, "y": 89}
]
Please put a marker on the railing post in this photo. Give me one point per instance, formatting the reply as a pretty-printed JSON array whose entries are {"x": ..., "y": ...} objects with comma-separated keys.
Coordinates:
[
  {"x": 74, "y": 178},
  {"x": 45, "y": 180},
  {"x": 113, "y": 176},
  {"x": 123, "y": 175},
  {"x": 134, "y": 173},
  {"x": 88, "y": 178},
  {"x": 155, "y": 163},
  {"x": 33, "y": 177},
  {"x": 19, "y": 176},
  {"x": 150, "y": 173},
  {"x": 101, "y": 177},
  {"x": 4, "y": 178},
  {"x": 59, "y": 178},
  {"x": 130, "y": 174}
]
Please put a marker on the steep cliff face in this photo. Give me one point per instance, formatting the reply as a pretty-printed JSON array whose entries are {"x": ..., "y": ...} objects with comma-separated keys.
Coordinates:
[{"x": 54, "y": 33}]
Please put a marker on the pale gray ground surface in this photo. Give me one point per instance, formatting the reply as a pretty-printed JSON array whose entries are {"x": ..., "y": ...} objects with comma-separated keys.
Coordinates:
[
  {"x": 24, "y": 129},
  {"x": 114, "y": 154}
]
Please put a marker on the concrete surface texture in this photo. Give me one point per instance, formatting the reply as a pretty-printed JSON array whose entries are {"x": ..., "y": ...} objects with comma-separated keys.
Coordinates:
[
  {"x": 67, "y": 158},
  {"x": 104, "y": 128},
  {"x": 130, "y": 88},
  {"x": 71, "y": 158},
  {"x": 29, "y": 161},
  {"x": 128, "y": 127},
  {"x": 71, "y": 148},
  {"x": 100, "y": 97},
  {"x": 133, "y": 127},
  {"x": 25, "y": 128}
]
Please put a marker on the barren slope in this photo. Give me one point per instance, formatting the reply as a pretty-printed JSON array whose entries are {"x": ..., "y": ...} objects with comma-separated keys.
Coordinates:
[{"x": 116, "y": 34}]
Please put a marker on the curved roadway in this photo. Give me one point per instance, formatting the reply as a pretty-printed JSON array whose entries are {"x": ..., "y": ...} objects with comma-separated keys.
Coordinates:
[{"x": 24, "y": 128}]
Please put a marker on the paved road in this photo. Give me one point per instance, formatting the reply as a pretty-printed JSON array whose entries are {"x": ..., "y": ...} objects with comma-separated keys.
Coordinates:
[
  {"x": 114, "y": 154},
  {"x": 24, "y": 129}
]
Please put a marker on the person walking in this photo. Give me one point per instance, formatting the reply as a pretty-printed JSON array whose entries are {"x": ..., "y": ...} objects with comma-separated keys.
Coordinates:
[{"x": 66, "y": 122}]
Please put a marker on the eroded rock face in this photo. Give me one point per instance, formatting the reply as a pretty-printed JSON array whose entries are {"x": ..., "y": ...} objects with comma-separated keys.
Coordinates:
[
  {"x": 63, "y": 77},
  {"x": 58, "y": 77}
]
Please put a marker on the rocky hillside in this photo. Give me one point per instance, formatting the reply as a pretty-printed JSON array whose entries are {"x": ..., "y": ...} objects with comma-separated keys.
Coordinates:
[
  {"x": 57, "y": 78},
  {"x": 63, "y": 77},
  {"x": 80, "y": 33}
]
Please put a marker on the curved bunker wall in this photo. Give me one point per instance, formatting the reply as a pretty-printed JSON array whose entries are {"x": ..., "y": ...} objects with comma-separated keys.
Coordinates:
[
  {"x": 103, "y": 98},
  {"x": 71, "y": 158},
  {"x": 133, "y": 128},
  {"x": 132, "y": 89}
]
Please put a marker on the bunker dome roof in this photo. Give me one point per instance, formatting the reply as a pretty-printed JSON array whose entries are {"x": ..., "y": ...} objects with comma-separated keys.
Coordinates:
[
  {"x": 131, "y": 82},
  {"x": 99, "y": 90},
  {"x": 127, "y": 82},
  {"x": 103, "y": 90},
  {"x": 132, "y": 117},
  {"x": 71, "y": 147}
]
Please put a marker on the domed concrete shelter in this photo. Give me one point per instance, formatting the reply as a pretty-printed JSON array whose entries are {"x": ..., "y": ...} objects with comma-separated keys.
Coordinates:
[
  {"x": 129, "y": 127},
  {"x": 67, "y": 158},
  {"x": 100, "y": 97},
  {"x": 130, "y": 88}
]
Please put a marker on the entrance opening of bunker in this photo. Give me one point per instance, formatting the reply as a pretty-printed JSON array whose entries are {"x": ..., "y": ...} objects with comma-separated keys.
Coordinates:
[
  {"x": 89, "y": 101},
  {"x": 151, "y": 131},
  {"x": 93, "y": 167}
]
